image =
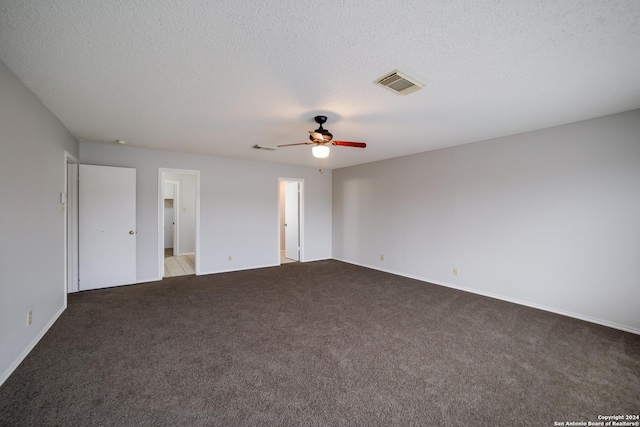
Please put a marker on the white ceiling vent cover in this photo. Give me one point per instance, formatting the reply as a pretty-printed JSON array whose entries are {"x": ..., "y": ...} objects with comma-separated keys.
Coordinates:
[{"x": 400, "y": 83}]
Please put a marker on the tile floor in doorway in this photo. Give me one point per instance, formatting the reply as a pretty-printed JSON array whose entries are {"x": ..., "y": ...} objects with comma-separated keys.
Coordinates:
[
  {"x": 179, "y": 265},
  {"x": 284, "y": 259}
]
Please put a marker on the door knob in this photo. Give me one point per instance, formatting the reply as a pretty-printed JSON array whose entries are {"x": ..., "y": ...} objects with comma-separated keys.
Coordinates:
[{"x": 131, "y": 232}]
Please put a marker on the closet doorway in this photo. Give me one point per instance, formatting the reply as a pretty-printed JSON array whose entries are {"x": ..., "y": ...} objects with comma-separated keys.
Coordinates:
[
  {"x": 179, "y": 222},
  {"x": 291, "y": 213}
]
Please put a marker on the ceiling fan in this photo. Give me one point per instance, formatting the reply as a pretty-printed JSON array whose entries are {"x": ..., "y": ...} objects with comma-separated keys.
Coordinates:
[{"x": 322, "y": 139}]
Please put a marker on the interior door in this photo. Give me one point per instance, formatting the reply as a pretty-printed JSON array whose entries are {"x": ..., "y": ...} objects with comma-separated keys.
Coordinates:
[
  {"x": 107, "y": 226},
  {"x": 291, "y": 221},
  {"x": 72, "y": 226}
]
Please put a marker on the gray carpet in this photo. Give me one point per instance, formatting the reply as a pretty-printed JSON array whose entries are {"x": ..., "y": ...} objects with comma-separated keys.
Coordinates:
[{"x": 316, "y": 344}]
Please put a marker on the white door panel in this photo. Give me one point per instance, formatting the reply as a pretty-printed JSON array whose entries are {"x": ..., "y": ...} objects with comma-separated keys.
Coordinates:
[
  {"x": 291, "y": 230},
  {"x": 107, "y": 226},
  {"x": 72, "y": 227},
  {"x": 169, "y": 223}
]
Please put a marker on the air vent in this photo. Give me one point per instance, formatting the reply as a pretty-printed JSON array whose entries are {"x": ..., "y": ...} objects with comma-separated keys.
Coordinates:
[{"x": 400, "y": 83}]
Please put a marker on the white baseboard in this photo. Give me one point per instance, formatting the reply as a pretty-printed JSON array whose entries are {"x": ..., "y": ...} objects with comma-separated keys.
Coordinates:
[
  {"x": 230, "y": 270},
  {"x": 150, "y": 279},
  {"x": 504, "y": 298},
  {"x": 7, "y": 373},
  {"x": 315, "y": 259}
]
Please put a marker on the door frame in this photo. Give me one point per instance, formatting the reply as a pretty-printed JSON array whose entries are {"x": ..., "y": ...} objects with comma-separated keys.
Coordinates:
[
  {"x": 69, "y": 201},
  {"x": 160, "y": 252},
  {"x": 300, "y": 216}
]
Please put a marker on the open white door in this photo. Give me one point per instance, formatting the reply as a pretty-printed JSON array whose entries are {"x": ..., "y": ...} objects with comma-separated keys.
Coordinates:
[
  {"x": 169, "y": 223},
  {"x": 107, "y": 226},
  {"x": 72, "y": 222},
  {"x": 291, "y": 221}
]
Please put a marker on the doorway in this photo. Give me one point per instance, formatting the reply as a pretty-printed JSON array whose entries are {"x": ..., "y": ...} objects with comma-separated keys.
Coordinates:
[
  {"x": 179, "y": 222},
  {"x": 99, "y": 226},
  {"x": 290, "y": 220}
]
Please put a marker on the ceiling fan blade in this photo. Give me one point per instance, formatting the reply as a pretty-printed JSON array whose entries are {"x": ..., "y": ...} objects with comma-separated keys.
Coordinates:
[
  {"x": 299, "y": 143},
  {"x": 350, "y": 144}
]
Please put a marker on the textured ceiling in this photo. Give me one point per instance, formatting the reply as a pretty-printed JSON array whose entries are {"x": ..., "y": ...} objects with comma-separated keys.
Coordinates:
[{"x": 218, "y": 77}]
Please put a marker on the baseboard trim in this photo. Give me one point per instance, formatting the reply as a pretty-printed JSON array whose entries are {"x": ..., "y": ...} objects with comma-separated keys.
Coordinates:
[
  {"x": 231, "y": 270},
  {"x": 151, "y": 279},
  {"x": 6, "y": 374},
  {"x": 315, "y": 259},
  {"x": 578, "y": 316}
]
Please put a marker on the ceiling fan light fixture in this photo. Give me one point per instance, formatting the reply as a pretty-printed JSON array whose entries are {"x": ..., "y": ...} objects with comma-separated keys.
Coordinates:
[{"x": 320, "y": 151}]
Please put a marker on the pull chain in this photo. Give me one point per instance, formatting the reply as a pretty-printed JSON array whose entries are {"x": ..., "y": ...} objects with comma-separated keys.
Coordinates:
[{"x": 320, "y": 165}]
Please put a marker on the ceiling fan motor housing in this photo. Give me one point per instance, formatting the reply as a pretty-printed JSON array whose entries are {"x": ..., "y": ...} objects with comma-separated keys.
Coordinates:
[{"x": 326, "y": 135}]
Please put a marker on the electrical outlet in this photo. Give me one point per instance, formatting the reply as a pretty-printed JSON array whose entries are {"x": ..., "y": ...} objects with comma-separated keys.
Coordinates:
[
  {"x": 455, "y": 271},
  {"x": 381, "y": 257},
  {"x": 229, "y": 258},
  {"x": 29, "y": 318}
]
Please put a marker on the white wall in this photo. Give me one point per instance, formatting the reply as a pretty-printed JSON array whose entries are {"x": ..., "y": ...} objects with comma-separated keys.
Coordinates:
[
  {"x": 238, "y": 206},
  {"x": 32, "y": 176},
  {"x": 548, "y": 218}
]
